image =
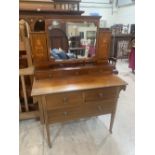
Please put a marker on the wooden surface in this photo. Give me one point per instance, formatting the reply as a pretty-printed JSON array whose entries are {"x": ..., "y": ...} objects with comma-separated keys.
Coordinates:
[
  {"x": 58, "y": 7},
  {"x": 65, "y": 71},
  {"x": 75, "y": 97},
  {"x": 39, "y": 47},
  {"x": 69, "y": 90},
  {"x": 41, "y": 42},
  {"x": 103, "y": 44},
  {"x": 24, "y": 92},
  {"x": 85, "y": 82},
  {"x": 29, "y": 115},
  {"x": 27, "y": 71}
]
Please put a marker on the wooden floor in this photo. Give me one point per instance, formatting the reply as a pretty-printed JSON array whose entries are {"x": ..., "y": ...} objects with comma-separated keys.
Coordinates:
[{"x": 88, "y": 136}]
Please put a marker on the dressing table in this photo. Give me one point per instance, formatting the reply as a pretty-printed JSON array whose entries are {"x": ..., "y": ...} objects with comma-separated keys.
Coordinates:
[{"x": 73, "y": 87}]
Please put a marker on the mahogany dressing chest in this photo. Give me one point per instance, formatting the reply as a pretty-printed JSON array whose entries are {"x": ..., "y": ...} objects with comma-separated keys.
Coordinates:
[{"x": 73, "y": 78}]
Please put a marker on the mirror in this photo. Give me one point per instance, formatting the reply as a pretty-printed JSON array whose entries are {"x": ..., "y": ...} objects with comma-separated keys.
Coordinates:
[{"x": 72, "y": 40}]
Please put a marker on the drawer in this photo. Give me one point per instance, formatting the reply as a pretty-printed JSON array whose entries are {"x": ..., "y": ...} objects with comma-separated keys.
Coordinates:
[
  {"x": 66, "y": 114},
  {"x": 99, "y": 108},
  {"x": 105, "y": 102},
  {"x": 63, "y": 100},
  {"x": 42, "y": 75},
  {"x": 100, "y": 94}
]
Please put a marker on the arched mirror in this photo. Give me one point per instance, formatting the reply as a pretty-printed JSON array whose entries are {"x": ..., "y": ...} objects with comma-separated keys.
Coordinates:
[{"x": 76, "y": 40}]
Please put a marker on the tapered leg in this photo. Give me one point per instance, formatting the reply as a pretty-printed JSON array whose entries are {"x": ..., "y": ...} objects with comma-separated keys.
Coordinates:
[
  {"x": 112, "y": 121},
  {"x": 41, "y": 111},
  {"x": 46, "y": 120},
  {"x": 48, "y": 135}
]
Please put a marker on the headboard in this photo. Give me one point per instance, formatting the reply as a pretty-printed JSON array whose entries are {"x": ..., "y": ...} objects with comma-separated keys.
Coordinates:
[{"x": 58, "y": 39}]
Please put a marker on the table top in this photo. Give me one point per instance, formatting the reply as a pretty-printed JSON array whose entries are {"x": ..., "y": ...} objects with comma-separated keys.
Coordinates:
[{"x": 75, "y": 83}]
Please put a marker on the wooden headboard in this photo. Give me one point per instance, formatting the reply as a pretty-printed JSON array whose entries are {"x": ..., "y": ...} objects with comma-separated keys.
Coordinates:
[{"x": 58, "y": 39}]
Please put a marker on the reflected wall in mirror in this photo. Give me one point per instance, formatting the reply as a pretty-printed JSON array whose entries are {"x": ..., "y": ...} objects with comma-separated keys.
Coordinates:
[{"x": 72, "y": 40}]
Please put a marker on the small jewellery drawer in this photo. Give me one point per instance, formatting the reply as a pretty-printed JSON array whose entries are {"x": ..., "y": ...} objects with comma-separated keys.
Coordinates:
[
  {"x": 60, "y": 100},
  {"x": 100, "y": 94}
]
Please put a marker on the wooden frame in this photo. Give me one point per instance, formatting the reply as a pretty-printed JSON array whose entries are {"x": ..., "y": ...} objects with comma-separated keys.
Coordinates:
[
  {"x": 48, "y": 19},
  {"x": 72, "y": 89}
]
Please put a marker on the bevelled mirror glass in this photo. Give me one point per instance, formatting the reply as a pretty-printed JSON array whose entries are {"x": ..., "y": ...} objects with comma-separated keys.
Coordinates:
[{"x": 72, "y": 40}]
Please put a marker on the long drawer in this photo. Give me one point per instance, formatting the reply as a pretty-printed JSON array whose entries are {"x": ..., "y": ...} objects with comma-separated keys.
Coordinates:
[
  {"x": 81, "y": 111},
  {"x": 100, "y": 94},
  {"x": 63, "y": 100}
]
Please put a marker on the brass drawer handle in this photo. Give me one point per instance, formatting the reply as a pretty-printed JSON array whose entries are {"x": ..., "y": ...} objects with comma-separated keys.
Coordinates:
[
  {"x": 101, "y": 71},
  {"x": 65, "y": 99},
  {"x": 65, "y": 113},
  {"x": 77, "y": 73},
  {"x": 100, "y": 108},
  {"x": 101, "y": 95},
  {"x": 49, "y": 75}
]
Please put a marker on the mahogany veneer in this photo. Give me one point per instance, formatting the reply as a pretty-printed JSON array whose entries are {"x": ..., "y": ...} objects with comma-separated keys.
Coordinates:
[
  {"x": 64, "y": 99},
  {"x": 71, "y": 89}
]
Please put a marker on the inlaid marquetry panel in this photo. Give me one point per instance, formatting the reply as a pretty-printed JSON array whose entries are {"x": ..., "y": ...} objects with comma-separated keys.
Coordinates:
[
  {"x": 39, "y": 47},
  {"x": 104, "y": 40}
]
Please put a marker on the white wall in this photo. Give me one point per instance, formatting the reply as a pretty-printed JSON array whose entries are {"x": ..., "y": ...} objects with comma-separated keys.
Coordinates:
[
  {"x": 106, "y": 14},
  {"x": 123, "y": 15},
  {"x": 126, "y": 15}
]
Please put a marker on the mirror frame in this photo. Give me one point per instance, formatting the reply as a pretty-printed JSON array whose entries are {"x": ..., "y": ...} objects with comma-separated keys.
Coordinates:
[
  {"x": 80, "y": 19},
  {"x": 31, "y": 19}
]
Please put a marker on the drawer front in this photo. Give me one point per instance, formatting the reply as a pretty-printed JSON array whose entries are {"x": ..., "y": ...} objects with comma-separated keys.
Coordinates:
[
  {"x": 63, "y": 100},
  {"x": 104, "y": 103},
  {"x": 42, "y": 75},
  {"x": 100, "y": 94},
  {"x": 66, "y": 114},
  {"x": 99, "y": 108}
]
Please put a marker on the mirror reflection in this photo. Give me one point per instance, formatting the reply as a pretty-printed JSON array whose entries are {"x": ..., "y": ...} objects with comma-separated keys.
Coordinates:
[{"x": 72, "y": 40}]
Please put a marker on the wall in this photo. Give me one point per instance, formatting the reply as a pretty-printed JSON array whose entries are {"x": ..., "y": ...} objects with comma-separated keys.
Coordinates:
[
  {"x": 122, "y": 15},
  {"x": 126, "y": 15},
  {"x": 106, "y": 14}
]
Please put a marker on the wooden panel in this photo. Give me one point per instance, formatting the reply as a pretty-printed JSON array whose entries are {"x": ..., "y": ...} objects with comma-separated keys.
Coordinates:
[
  {"x": 75, "y": 83},
  {"x": 47, "y": 5},
  {"x": 28, "y": 115},
  {"x": 27, "y": 71},
  {"x": 99, "y": 108},
  {"x": 24, "y": 92},
  {"x": 66, "y": 72},
  {"x": 100, "y": 94},
  {"x": 102, "y": 102},
  {"x": 67, "y": 114},
  {"x": 35, "y": 6},
  {"x": 104, "y": 41},
  {"x": 64, "y": 100},
  {"x": 39, "y": 47},
  {"x": 21, "y": 46}
]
